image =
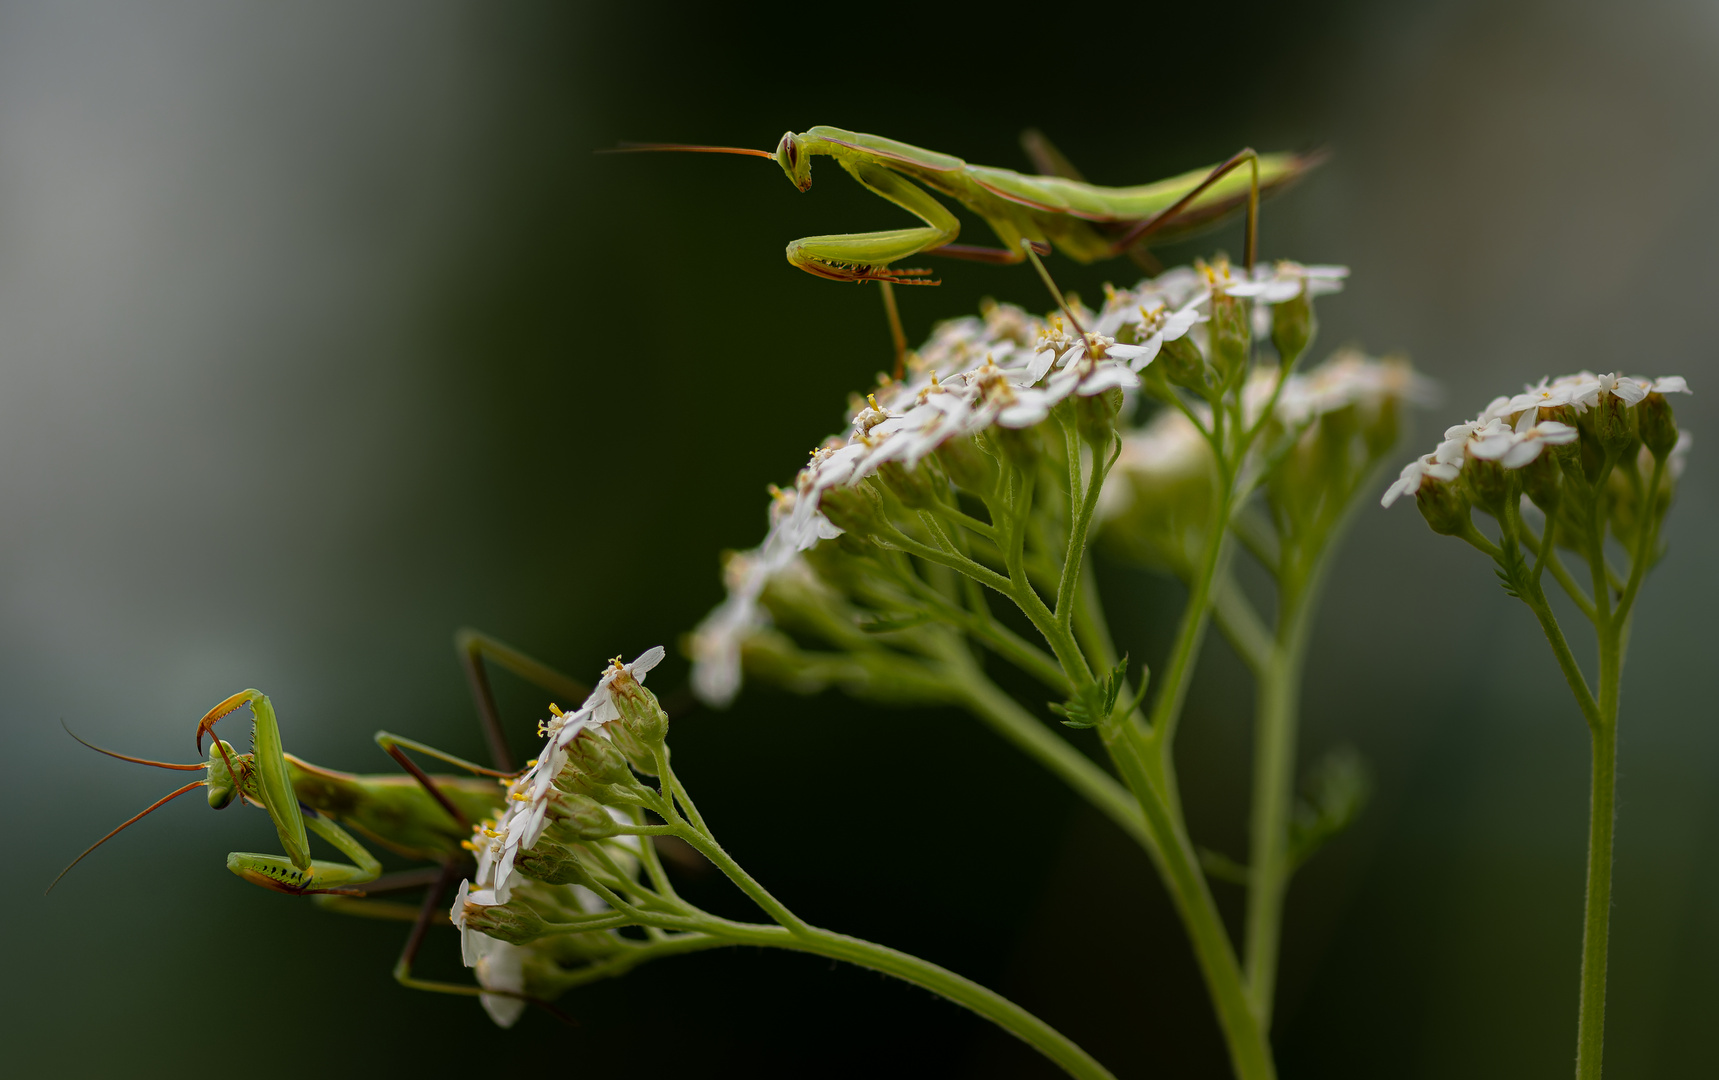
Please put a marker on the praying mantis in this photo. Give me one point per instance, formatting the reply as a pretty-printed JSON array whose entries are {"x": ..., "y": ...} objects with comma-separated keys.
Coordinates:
[
  {"x": 1087, "y": 222},
  {"x": 416, "y": 815}
]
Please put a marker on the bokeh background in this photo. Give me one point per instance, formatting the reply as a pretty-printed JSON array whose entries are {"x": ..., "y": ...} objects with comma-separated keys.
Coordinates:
[{"x": 323, "y": 333}]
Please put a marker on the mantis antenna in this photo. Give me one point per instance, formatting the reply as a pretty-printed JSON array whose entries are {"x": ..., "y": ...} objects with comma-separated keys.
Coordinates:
[
  {"x": 644, "y": 147},
  {"x": 154, "y": 806}
]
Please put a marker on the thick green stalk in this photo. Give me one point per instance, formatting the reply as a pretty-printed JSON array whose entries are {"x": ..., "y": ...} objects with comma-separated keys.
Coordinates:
[
  {"x": 1179, "y": 865},
  {"x": 1602, "y": 821},
  {"x": 794, "y": 933},
  {"x": 941, "y": 981},
  {"x": 989, "y": 703},
  {"x": 1596, "y": 916},
  {"x": 1173, "y": 687},
  {"x": 1276, "y": 723}
]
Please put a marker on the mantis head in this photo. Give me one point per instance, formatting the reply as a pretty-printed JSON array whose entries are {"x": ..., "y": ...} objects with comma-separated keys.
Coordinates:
[
  {"x": 795, "y": 161},
  {"x": 223, "y": 785}
]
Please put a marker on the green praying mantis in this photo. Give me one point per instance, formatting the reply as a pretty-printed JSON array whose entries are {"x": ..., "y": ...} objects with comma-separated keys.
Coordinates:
[
  {"x": 1087, "y": 222},
  {"x": 416, "y": 815}
]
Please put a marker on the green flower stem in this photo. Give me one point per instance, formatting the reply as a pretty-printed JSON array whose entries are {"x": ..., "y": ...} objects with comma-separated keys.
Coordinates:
[
  {"x": 1561, "y": 574},
  {"x": 956, "y": 516},
  {"x": 700, "y": 930},
  {"x": 631, "y": 956},
  {"x": 989, "y": 703},
  {"x": 1179, "y": 866},
  {"x": 1646, "y": 534},
  {"x": 1017, "y": 1021},
  {"x": 1276, "y": 726},
  {"x": 1613, "y": 628},
  {"x": 1535, "y": 598},
  {"x": 1000, "y": 639},
  {"x": 703, "y": 930},
  {"x": 1240, "y": 624},
  {"x": 699, "y": 836},
  {"x": 1090, "y": 626},
  {"x": 612, "y": 921},
  {"x": 1173, "y": 687},
  {"x": 984, "y": 575},
  {"x": 1084, "y": 503},
  {"x": 1597, "y": 911}
]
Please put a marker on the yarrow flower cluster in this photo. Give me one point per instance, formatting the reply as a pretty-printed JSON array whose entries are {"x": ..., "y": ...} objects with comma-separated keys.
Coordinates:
[
  {"x": 498, "y": 844},
  {"x": 1006, "y": 369},
  {"x": 1514, "y": 431}
]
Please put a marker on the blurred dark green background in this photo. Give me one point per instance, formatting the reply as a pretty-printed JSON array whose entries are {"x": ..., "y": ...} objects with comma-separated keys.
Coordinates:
[{"x": 322, "y": 333}]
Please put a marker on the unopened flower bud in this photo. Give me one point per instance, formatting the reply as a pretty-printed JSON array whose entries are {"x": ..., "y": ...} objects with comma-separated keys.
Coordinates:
[
  {"x": 550, "y": 862},
  {"x": 514, "y": 922},
  {"x": 969, "y": 467},
  {"x": 918, "y": 487},
  {"x": 1658, "y": 428},
  {"x": 1229, "y": 334},
  {"x": 641, "y": 714},
  {"x": 596, "y": 757},
  {"x": 1181, "y": 362},
  {"x": 1018, "y": 446},
  {"x": 579, "y": 817},
  {"x": 1293, "y": 326},
  {"x": 1095, "y": 417},
  {"x": 638, "y": 753},
  {"x": 1614, "y": 423},
  {"x": 1489, "y": 484},
  {"x": 1444, "y": 505},
  {"x": 853, "y": 509},
  {"x": 1540, "y": 481}
]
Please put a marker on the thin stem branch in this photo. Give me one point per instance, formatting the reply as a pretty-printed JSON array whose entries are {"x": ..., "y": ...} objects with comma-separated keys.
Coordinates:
[{"x": 1032, "y": 737}]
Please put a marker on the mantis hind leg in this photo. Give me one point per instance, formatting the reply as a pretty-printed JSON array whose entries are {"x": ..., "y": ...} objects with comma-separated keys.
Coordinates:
[
  {"x": 474, "y": 649},
  {"x": 1151, "y": 225}
]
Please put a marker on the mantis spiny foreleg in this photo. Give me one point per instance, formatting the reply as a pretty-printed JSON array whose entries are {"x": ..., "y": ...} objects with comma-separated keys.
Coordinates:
[
  {"x": 264, "y": 780},
  {"x": 866, "y": 256}
]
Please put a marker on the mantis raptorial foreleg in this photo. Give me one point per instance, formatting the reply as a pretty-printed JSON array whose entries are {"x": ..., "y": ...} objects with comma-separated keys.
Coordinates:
[
  {"x": 282, "y": 874},
  {"x": 263, "y": 779},
  {"x": 864, "y": 256}
]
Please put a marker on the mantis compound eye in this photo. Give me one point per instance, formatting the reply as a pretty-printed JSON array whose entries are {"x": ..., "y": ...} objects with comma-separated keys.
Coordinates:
[
  {"x": 788, "y": 156},
  {"x": 220, "y": 796}
]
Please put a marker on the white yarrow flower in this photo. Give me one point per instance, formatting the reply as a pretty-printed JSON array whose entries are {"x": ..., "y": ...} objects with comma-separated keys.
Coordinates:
[
  {"x": 1415, "y": 473},
  {"x": 1286, "y": 280},
  {"x": 501, "y": 966},
  {"x": 1621, "y": 386}
]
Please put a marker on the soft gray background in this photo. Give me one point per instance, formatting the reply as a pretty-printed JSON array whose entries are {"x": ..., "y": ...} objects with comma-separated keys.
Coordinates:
[{"x": 322, "y": 334}]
